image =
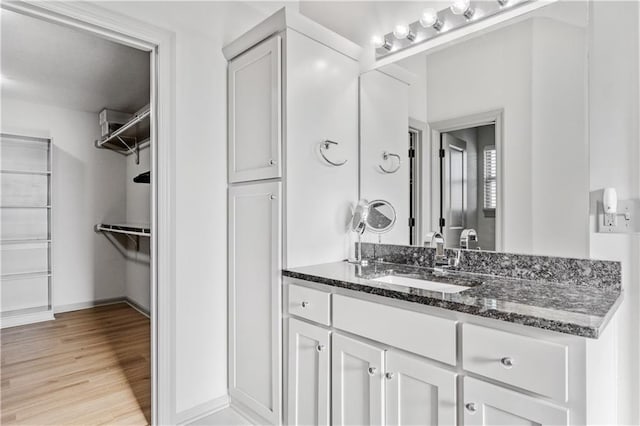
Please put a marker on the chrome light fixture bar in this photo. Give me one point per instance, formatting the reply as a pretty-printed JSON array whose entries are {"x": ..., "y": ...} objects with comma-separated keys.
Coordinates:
[{"x": 434, "y": 23}]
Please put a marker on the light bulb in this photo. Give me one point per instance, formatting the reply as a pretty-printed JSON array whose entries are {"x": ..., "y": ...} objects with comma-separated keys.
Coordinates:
[
  {"x": 429, "y": 18},
  {"x": 404, "y": 31},
  {"x": 462, "y": 7},
  {"x": 380, "y": 42},
  {"x": 401, "y": 31}
]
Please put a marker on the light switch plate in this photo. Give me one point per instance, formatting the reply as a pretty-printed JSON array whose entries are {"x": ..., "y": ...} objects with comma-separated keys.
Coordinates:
[{"x": 626, "y": 218}]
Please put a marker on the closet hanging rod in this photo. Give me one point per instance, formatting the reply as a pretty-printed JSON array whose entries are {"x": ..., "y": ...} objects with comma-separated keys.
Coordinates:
[{"x": 124, "y": 229}]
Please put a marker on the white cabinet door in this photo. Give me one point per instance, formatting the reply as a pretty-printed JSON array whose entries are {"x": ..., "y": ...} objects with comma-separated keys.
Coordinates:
[
  {"x": 255, "y": 297},
  {"x": 356, "y": 382},
  {"x": 417, "y": 392},
  {"x": 309, "y": 370},
  {"x": 486, "y": 404},
  {"x": 254, "y": 113}
]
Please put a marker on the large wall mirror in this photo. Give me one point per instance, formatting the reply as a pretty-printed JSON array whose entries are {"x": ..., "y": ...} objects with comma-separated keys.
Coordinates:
[{"x": 487, "y": 133}]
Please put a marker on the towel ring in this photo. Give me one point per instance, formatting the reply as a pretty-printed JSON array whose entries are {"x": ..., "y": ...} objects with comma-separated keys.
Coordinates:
[
  {"x": 385, "y": 157},
  {"x": 325, "y": 146}
]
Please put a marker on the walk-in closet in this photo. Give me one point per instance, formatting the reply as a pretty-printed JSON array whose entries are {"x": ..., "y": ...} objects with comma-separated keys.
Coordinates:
[{"x": 76, "y": 236}]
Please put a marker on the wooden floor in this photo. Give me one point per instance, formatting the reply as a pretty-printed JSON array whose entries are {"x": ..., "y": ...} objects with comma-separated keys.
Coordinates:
[{"x": 87, "y": 367}]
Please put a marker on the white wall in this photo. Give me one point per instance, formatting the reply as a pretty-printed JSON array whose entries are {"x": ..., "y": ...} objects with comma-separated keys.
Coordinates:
[
  {"x": 322, "y": 103},
  {"x": 560, "y": 145},
  {"x": 614, "y": 157},
  {"x": 384, "y": 117},
  {"x": 88, "y": 188},
  {"x": 201, "y": 29}
]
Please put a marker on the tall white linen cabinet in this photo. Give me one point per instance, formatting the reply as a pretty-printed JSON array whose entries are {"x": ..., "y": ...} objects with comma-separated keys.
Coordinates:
[{"x": 292, "y": 97}]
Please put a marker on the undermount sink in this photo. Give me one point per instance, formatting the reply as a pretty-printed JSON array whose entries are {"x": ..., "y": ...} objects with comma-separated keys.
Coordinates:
[{"x": 422, "y": 284}]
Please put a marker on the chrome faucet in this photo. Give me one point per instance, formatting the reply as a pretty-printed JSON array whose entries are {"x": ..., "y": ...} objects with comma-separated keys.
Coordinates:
[
  {"x": 436, "y": 240},
  {"x": 467, "y": 237}
]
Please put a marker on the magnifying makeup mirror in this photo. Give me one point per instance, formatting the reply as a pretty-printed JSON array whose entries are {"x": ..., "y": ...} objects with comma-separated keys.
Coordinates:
[{"x": 381, "y": 216}]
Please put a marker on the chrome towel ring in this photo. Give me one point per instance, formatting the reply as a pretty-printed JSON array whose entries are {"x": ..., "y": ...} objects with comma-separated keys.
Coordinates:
[
  {"x": 324, "y": 145},
  {"x": 385, "y": 157}
]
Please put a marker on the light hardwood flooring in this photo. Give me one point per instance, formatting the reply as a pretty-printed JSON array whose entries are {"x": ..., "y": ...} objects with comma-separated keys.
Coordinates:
[{"x": 87, "y": 367}]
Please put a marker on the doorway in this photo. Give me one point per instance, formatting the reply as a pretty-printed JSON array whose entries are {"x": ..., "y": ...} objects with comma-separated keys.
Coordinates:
[
  {"x": 133, "y": 244},
  {"x": 468, "y": 185}
]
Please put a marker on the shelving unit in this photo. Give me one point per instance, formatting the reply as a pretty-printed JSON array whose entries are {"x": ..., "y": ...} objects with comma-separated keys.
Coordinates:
[
  {"x": 131, "y": 137},
  {"x": 26, "y": 282}
]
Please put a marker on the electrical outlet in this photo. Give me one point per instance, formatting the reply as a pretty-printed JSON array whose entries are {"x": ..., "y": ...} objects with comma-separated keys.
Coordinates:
[{"x": 610, "y": 220}]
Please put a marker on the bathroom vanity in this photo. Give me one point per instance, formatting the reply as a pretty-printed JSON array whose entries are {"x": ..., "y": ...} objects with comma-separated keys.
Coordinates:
[{"x": 383, "y": 344}]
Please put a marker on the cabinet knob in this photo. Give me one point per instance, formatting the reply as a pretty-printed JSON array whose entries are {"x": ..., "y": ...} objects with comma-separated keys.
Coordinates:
[
  {"x": 507, "y": 362},
  {"x": 388, "y": 376},
  {"x": 272, "y": 162},
  {"x": 372, "y": 371},
  {"x": 320, "y": 348},
  {"x": 304, "y": 304},
  {"x": 471, "y": 407},
  {"x": 272, "y": 197}
]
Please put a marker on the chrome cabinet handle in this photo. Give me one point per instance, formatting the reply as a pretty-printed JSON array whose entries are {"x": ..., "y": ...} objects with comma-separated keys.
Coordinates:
[
  {"x": 372, "y": 371},
  {"x": 320, "y": 348},
  {"x": 471, "y": 407},
  {"x": 272, "y": 197},
  {"x": 507, "y": 362},
  {"x": 272, "y": 162},
  {"x": 388, "y": 375},
  {"x": 304, "y": 304}
]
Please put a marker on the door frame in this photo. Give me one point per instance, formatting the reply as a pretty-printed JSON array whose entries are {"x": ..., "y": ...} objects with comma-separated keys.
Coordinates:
[
  {"x": 422, "y": 181},
  {"x": 437, "y": 128},
  {"x": 133, "y": 33}
]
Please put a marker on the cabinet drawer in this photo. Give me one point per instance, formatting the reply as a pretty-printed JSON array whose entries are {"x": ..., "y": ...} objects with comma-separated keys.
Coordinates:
[
  {"x": 422, "y": 334},
  {"x": 309, "y": 303},
  {"x": 532, "y": 364}
]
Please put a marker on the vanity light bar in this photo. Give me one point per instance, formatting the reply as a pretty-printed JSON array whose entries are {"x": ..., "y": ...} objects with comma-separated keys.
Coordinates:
[{"x": 433, "y": 23}]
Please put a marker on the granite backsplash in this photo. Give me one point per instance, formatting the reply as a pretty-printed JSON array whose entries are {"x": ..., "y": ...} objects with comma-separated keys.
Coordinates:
[{"x": 585, "y": 272}]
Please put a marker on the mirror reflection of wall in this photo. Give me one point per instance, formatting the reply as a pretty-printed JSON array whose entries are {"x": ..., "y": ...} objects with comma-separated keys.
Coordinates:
[
  {"x": 510, "y": 107},
  {"x": 384, "y": 113}
]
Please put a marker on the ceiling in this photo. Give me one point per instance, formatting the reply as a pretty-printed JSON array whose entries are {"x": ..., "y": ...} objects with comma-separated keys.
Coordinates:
[{"x": 52, "y": 64}]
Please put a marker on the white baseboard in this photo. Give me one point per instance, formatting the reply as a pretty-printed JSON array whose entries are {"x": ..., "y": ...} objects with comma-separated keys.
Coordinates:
[
  {"x": 30, "y": 318},
  {"x": 103, "y": 302},
  {"x": 137, "y": 307},
  {"x": 247, "y": 413},
  {"x": 86, "y": 305},
  {"x": 202, "y": 410}
]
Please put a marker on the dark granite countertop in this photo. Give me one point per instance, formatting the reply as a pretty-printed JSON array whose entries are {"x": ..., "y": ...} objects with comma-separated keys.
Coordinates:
[{"x": 566, "y": 308}]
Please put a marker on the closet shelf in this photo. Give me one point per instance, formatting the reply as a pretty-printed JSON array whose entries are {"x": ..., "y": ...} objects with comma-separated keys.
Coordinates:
[
  {"x": 25, "y": 172},
  {"x": 24, "y": 241},
  {"x": 25, "y": 207},
  {"x": 24, "y": 275},
  {"x": 138, "y": 230},
  {"x": 129, "y": 138}
]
